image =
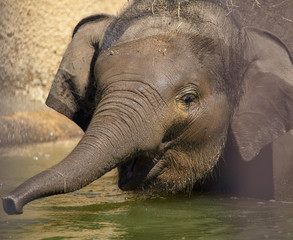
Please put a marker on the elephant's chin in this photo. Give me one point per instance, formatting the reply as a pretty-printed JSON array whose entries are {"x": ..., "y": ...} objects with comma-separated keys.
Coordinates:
[{"x": 139, "y": 170}]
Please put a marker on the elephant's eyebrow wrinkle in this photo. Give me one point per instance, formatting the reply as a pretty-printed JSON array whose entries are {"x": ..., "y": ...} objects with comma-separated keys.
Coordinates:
[
  {"x": 153, "y": 89},
  {"x": 157, "y": 96},
  {"x": 114, "y": 82}
]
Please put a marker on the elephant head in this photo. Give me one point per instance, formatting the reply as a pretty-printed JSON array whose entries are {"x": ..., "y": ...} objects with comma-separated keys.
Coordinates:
[{"x": 156, "y": 90}]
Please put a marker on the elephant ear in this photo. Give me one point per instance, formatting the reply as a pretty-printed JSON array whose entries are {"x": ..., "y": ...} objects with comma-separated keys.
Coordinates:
[
  {"x": 265, "y": 110},
  {"x": 73, "y": 92}
]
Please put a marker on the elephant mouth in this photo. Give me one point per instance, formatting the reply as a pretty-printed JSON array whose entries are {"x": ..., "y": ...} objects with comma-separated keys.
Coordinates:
[{"x": 139, "y": 170}]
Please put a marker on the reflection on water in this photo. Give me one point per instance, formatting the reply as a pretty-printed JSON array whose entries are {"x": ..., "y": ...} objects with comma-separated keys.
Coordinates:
[{"x": 102, "y": 211}]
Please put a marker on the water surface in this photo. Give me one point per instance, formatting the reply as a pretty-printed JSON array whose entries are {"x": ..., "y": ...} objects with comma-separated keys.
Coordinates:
[{"x": 102, "y": 211}]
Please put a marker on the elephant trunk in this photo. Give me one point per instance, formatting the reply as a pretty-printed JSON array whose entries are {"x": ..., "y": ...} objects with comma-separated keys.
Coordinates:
[
  {"x": 68, "y": 176},
  {"x": 104, "y": 146}
]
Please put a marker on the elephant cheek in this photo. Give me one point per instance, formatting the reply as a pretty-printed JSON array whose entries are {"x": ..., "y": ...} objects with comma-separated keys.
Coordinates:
[
  {"x": 216, "y": 118},
  {"x": 209, "y": 122}
]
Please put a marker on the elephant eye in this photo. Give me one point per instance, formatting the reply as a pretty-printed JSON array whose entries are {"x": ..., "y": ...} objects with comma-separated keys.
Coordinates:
[{"x": 187, "y": 99}]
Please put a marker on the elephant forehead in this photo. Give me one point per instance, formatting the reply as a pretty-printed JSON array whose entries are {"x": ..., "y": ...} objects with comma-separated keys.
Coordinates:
[{"x": 163, "y": 61}]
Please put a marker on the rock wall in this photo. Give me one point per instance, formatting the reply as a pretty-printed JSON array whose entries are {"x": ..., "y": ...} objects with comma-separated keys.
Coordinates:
[{"x": 33, "y": 37}]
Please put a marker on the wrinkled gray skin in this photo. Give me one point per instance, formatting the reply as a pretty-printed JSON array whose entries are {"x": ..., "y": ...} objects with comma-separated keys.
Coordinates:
[{"x": 159, "y": 90}]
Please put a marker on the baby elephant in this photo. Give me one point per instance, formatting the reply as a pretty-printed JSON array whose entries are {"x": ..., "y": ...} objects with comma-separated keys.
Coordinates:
[{"x": 166, "y": 92}]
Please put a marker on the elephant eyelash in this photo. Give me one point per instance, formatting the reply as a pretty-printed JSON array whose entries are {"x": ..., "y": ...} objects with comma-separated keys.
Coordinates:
[{"x": 191, "y": 88}]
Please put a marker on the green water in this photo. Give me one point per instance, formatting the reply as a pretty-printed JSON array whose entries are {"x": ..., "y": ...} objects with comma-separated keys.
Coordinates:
[{"x": 102, "y": 211}]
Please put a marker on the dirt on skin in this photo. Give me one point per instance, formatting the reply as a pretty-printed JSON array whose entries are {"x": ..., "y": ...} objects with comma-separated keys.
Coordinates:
[{"x": 275, "y": 16}]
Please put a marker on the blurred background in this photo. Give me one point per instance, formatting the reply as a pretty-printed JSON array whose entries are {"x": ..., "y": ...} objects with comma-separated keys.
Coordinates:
[{"x": 34, "y": 35}]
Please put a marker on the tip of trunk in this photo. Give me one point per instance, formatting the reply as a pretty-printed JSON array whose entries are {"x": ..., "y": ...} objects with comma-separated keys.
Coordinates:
[{"x": 12, "y": 206}]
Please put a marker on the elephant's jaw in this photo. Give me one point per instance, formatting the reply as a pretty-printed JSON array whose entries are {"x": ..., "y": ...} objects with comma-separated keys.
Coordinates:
[{"x": 139, "y": 170}]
